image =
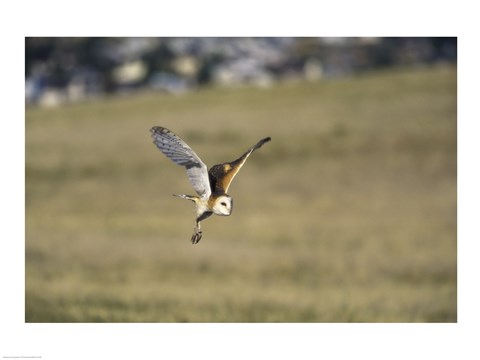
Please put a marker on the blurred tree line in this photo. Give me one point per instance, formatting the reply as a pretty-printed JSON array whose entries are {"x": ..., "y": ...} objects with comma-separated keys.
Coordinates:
[{"x": 70, "y": 69}]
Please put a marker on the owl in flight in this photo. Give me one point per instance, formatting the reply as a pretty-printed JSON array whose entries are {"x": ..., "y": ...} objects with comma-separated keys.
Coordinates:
[{"x": 210, "y": 185}]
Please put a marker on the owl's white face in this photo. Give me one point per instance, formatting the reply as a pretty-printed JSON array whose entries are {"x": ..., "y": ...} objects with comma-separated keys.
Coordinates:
[{"x": 223, "y": 205}]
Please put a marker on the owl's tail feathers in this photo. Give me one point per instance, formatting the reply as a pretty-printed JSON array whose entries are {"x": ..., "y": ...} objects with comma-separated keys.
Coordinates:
[{"x": 188, "y": 197}]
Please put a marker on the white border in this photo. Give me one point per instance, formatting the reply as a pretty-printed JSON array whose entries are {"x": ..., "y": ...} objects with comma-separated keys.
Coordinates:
[{"x": 235, "y": 341}]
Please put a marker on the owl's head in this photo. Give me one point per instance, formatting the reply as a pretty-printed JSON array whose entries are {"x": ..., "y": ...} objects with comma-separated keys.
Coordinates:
[{"x": 223, "y": 205}]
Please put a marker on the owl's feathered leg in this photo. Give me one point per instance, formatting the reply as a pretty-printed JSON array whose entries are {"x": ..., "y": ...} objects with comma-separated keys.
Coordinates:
[{"x": 197, "y": 232}]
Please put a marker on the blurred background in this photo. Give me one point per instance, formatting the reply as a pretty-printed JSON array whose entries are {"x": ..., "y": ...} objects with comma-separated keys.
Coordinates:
[
  {"x": 61, "y": 70},
  {"x": 347, "y": 215}
]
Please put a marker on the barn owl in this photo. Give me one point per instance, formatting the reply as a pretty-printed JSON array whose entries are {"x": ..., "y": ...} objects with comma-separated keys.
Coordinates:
[{"x": 210, "y": 185}]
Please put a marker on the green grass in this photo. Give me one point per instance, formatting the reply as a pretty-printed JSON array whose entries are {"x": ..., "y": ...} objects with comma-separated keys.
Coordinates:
[{"x": 348, "y": 215}]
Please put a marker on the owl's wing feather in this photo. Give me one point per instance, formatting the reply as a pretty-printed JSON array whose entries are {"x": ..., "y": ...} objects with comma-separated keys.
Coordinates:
[
  {"x": 180, "y": 153},
  {"x": 221, "y": 175}
]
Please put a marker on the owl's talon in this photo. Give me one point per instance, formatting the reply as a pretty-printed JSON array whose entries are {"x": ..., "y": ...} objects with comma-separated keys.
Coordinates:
[{"x": 197, "y": 235}]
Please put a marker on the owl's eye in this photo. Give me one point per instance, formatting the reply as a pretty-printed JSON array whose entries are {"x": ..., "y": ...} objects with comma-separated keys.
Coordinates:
[{"x": 223, "y": 204}]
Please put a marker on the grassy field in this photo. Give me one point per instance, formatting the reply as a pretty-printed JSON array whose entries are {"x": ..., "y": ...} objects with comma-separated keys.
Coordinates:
[{"x": 348, "y": 215}]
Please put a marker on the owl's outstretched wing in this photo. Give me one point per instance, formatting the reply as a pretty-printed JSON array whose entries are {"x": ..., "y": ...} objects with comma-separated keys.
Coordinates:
[
  {"x": 180, "y": 153},
  {"x": 221, "y": 175}
]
